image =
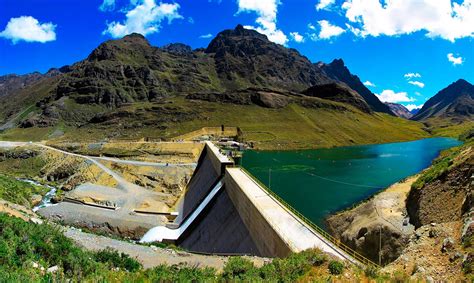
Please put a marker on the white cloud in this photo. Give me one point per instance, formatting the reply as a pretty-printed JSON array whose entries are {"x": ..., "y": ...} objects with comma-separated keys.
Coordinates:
[
  {"x": 447, "y": 19},
  {"x": 28, "y": 29},
  {"x": 413, "y": 106},
  {"x": 145, "y": 18},
  {"x": 297, "y": 37},
  {"x": 455, "y": 60},
  {"x": 266, "y": 21},
  {"x": 417, "y": 83},
  {"x": 412, "y": 75},
  {"x": 325, "y": 4},
  {"x": 389, "y": 95},
  {"x": 107, "y": 5},
  {"x": 328, "y": 30},
  {"x": 369, "y": 83},
  {"x": 209, "y": 35},
  {"x": 311, "y": 26}
]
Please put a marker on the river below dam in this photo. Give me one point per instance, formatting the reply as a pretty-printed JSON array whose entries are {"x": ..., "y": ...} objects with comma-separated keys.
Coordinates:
[{"x": 321, "y": 182}]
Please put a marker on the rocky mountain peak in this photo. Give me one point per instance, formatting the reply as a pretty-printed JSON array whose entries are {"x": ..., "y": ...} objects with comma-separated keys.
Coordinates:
[
  {"x": 338, "y": 71},
  {"x": 228, "y": 38},
  {"x": 109, "y": 50},
  {"x": 338, "y": 63},
  {"x": 177, "y": 48}
]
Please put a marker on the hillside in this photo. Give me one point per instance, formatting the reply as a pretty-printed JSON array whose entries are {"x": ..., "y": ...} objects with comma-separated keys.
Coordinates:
[
  {"x": 241, "y": 79},
  {"x": 399, "y": 110},
  {"x": 455, "y": 102}
]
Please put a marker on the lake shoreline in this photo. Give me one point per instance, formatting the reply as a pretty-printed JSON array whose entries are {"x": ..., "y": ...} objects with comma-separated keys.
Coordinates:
[
  {"x": 322, "y": 182},
  {"x": 382, "y": 216}
]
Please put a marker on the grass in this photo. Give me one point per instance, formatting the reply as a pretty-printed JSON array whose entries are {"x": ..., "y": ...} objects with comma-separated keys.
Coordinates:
[
  {"x": 18, "y": 192},
  {"x": 25, "y": 134},
  {"x": 292, "y": 127},
  {"x": 24, "y": 245},
  {"x": 446, "y": 128},
  {"x": 446, "y": 159},
  {"x": 28, "y": 167}
]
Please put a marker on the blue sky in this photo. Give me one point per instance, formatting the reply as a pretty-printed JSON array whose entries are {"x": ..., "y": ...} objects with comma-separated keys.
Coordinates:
[{"x": 407, "y": 49}]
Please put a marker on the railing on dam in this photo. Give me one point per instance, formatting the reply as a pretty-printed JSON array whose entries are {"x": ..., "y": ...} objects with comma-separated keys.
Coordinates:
[{"x": 336, "y": 242}]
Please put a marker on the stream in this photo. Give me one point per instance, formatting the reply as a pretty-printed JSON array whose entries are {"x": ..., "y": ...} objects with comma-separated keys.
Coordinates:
[{"x": 46, "y": 200}]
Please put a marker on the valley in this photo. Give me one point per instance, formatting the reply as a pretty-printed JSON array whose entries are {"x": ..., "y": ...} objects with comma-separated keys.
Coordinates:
[{"x": 243, "y": 160}]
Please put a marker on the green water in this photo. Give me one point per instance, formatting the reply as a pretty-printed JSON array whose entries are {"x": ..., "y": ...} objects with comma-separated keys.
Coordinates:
[{"x": 320, "y": 182}]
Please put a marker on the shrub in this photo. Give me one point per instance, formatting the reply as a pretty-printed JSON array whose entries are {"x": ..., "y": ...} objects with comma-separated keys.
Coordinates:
[
  {"x": 315, "y": 257},
  {"x": 467, "y": 264},
  {"x": 371, "y": 271},
  {"x": 335, "y": 267},
  {"x": 183, "y": 273},
  {"x": 238, "y": 268},
  {"x": 118, "y": 260}
]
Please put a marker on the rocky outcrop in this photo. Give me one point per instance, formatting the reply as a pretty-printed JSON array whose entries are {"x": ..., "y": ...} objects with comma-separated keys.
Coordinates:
[
  {"x": 447, "y": 197},
  {"x": 340, "y": 93},
  {"x": 379, "y": 220},
  {"x": 263, "y": 97},
  {"x": 276, "y": 99}
]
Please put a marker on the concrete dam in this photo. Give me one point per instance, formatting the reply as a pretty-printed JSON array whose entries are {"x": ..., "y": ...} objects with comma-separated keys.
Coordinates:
[{"x": 225, "y": 210}]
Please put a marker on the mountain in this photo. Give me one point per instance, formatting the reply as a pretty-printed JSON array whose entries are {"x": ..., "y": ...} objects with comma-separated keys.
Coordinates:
[
  {"x": 453, "y": 102},
  {"x": 414, "y": 111},
  {"x": 246, "y": 58},
  {"x": 12, "y": 83},
  {"x": 399, "y": 110},
  {"x": 271, "y": 92},
  {"x": 130, "y": 70},
  {"x": 339, "y": 72},
  {"x": 339, "y": 93}
]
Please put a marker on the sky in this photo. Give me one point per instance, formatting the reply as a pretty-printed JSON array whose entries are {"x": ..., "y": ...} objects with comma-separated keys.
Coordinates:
[{"x": 405, "y": 51}]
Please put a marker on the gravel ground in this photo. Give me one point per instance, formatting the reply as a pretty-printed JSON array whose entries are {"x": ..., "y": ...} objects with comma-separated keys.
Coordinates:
[{"x": 150, "y": 256}]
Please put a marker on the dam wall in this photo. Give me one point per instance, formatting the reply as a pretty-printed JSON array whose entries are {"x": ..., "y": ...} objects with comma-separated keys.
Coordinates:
[
  {"x": 275, "y": 229},
  {"x": 210, "y": 169},
  {"x": 219, "y": 229},
  {"x": 268, "y": 241},
  {"x": 242, "y": 217}
]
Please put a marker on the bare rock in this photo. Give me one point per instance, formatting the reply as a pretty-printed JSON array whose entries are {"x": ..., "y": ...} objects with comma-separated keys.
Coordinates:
[{"x": 448, "y": 244}]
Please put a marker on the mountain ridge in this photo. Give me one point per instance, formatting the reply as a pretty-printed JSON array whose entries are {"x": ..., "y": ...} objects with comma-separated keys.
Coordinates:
[
  {"x": 456, "y": 101},
  {"x": 399, "y": 110}
]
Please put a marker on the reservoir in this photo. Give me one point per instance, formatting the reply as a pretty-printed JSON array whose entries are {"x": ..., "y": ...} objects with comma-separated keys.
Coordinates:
[{"x": 321, "y": 182}]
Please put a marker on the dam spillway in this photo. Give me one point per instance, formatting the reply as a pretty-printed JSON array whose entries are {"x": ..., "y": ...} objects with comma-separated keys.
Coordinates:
[{"x": 238, "y": 216}]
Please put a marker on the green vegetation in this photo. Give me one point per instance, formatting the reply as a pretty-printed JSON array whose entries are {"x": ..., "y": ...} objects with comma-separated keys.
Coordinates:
[
  {"x": 117, "y": 260},
  {"x": 27, "y": 249},
  {"x": 25, "y": 134},
  {"x": 335, "y": 267},
  {"x": 292, "y": 127},
  {"x": 438, "y": 168},
  {"x": 446, "y": 159},
  {"x": 447, "y": 128},
  {"x": 18, "y": 192},
  {"x": 371, "y": 272},
  {"x": 22, "y": 162}
]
